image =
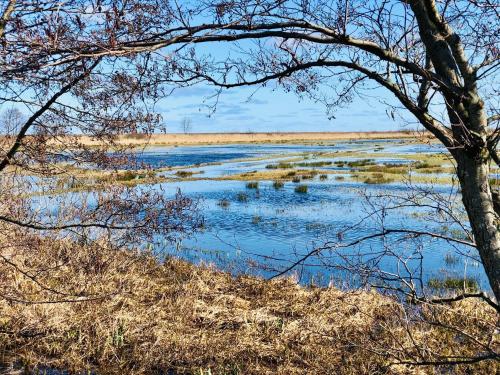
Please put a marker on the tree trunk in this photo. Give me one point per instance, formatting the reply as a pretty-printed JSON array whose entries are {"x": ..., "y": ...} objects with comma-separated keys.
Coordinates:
[{"x": 473, "y": 174}]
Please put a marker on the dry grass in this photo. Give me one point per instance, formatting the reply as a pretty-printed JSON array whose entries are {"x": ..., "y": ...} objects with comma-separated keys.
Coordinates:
[
  {"x": 189, "y": 319},
  {"x": 224, "y": 138}
]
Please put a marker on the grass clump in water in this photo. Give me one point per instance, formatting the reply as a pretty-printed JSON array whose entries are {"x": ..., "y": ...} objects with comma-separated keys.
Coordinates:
[
  {"x": 377, "y": 178},
  {"x": 281, "y": 165},
  {"x": 422, "y": 165},
  {"x": 454, "y": 283},
  {"x": 301, "y": 189},
  {"x": 388, "y": 168},
  {"x": 242, "y": 197},
  {"x": 256, "y": 219},
  {"x": 296, "y": 179},
  {"x": 127, "y": 176},
  {"x": 224, "y": 203},
  {"x": 252, "y": 185},
  {"x": 360, "y": 163},
  {"x": 278, "y": 184},
  {"x": 314, "y": 164},
  {"x": 184, "y": 174},
  {"x": 451, "y": 259},
  {"x": 323, "y": 177}
]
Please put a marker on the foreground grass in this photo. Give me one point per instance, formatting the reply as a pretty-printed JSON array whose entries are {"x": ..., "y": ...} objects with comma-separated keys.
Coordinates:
[{"x": 172, "y": 316}]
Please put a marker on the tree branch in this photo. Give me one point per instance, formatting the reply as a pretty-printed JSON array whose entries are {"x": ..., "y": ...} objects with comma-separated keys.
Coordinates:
[
  {"x": 27, "y": 125},
  {"x": 6, "y": 16},
  {"x": 434, "y": 126},
  {"x": 384, "y": 233},
  {"x": 461, "y": 297}
]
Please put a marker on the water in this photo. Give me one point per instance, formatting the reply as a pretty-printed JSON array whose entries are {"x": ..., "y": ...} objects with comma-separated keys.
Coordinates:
[
  {"x": 265, "y": 231},
  {"x": 193, "y": 155}
]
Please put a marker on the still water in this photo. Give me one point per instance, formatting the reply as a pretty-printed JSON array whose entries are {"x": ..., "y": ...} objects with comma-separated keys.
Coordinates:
[{"x": 263, "y": 231}]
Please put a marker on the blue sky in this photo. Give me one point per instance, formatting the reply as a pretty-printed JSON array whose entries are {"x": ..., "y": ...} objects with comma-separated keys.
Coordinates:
[{"x": 270, "y": 110}]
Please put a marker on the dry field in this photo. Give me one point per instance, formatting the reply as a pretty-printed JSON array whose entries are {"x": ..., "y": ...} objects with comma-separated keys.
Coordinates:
[
  {"x": 151, "y": 317},
  {"x": 227, "y": 138}
]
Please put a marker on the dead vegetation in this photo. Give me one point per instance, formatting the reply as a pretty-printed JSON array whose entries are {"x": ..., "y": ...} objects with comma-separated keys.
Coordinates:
[
  {"x": 173, "y": 139},
  {"x": 127, "y": 312}
]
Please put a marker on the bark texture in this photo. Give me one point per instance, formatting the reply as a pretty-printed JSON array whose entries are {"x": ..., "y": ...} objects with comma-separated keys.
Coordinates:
[{"x": 470, "y": 130}]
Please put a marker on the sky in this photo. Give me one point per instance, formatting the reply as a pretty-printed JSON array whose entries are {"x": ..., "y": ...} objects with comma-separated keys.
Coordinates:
[{"x": 266, "y": 110}]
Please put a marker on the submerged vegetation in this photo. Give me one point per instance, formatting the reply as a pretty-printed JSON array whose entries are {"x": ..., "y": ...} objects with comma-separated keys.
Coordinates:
[{"x": 224, "y": 203}]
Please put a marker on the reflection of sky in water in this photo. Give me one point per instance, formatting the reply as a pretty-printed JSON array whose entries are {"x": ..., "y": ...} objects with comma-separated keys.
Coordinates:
[
  {"x": 282, "y": 224},
  {"x": 279, "y": 226},
  {"x": 191, "y": 155}
]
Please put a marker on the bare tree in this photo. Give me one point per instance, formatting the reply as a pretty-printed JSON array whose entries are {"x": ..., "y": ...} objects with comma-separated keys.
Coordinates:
[
  {"x": 186, "y": 125},
  {"x": 64, "y": 103},
  {"x": 113, "y": 59},
  {"x": 10, "y": 121},
  {"x": 439, "y": 60},
  {"x": 97, "y": 69}
]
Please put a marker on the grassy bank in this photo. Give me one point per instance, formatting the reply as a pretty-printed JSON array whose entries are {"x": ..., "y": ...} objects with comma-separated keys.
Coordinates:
[{"x": 161, "y": 316}]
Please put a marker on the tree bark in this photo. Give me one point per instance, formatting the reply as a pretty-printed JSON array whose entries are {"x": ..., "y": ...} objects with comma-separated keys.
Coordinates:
[{"x": 473, "y": 174}]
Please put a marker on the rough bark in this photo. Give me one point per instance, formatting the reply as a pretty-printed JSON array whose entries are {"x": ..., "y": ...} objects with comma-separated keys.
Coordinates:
[
  {"x": 473, "y": 173},
  {"x": 469, "y": 126}
]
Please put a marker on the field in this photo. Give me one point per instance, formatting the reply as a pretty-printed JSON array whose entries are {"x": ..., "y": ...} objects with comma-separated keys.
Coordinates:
[{"x": 173, "y": 139}]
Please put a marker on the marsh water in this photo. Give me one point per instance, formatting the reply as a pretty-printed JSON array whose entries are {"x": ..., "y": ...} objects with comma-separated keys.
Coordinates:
[{"x": 267, "y": 229}]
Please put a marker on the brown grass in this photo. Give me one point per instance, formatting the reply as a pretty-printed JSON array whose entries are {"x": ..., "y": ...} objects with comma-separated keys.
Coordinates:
[
  {"x": 224, "y": 138},
  {"x": 191, "y": 319}
]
